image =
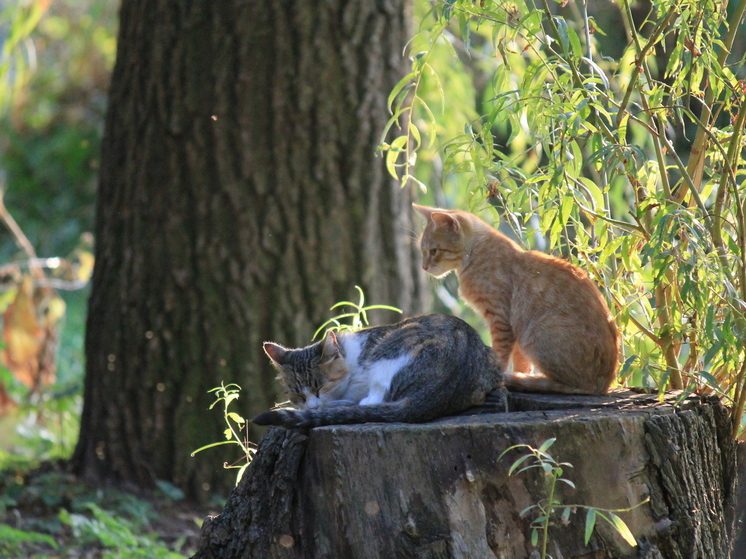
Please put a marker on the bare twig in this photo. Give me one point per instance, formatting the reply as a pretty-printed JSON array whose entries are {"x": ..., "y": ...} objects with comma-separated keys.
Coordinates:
[{"x": 18, "y": 235}]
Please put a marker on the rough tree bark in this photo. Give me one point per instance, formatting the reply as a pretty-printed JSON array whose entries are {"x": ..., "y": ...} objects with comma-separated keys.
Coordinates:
[
  {"x": 438, "y": 490},
  {"x": 239, "y": 198}
]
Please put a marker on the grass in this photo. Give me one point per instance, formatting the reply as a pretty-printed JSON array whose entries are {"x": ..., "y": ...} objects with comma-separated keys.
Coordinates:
[{"x": 48, "y": 512}]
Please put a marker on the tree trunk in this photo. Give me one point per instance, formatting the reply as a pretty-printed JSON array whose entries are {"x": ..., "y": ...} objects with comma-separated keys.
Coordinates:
[
  {"x": 439, "y": 490},
  {"x": 239, "y": 198}
]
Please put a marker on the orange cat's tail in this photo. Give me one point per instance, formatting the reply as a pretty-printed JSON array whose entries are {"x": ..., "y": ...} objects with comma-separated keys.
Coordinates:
[{"x": 537, "y": 382}]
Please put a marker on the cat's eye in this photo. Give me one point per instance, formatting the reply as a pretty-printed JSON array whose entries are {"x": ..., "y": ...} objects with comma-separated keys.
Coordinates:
[{"x": 433, "y": 251}]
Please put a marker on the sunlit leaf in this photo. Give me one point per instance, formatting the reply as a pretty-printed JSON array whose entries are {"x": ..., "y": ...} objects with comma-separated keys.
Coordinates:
[{"x": 622, "y": 529}]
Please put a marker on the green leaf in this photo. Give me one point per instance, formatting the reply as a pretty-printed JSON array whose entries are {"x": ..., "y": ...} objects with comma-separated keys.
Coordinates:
[
  {"x": 710, "y": 380},
  {"x": 423, "y": 188},
  {"x": 590, "y": 523},
  {"x": 627, "y": 364},
  {"x": 622, "y": 130},
  {"x": 392, "y": 155},
  {"x": 513, "y": 447},
  {"x": 518, "y": 462},
  {"x": 546, "y": 444},
  {"x": 568, "y": 203},
  {"x": 415, "y": 133},
  {"x": 10, "y": 535},
  {"x": 241, "y": 471},
  {"x": 595, "y": 194},
  {"x": 340, "y": 304},
  {"x": 567, "y": 482},
  {"x": 211, "y": 445},
  {"x": 622, "y": 529},
  {"x": 235, "y": 417},
  {"x": 393, "y": 119},
  {"x": 577, "y": 50},
  {"x": 524, "y": 513},
  {"x": 564, "y": 38},
  {"x": 403, "y": 83},
  {"x": 228, "y": 434}
]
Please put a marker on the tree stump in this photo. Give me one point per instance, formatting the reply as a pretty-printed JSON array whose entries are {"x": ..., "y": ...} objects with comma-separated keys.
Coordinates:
[{"x": 438, "y": 490}]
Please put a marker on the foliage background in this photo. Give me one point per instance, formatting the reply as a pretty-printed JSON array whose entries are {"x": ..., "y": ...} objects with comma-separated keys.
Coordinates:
[
  {"x": 56, "y": 59},
  {"x": 609, "y": 134},
  {"x": 575, "y": 144},
  {"x": 54, "y": 70}
]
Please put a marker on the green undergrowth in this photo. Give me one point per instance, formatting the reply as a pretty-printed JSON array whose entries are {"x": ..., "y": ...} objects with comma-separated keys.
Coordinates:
[{"x": 46, "y": 511}]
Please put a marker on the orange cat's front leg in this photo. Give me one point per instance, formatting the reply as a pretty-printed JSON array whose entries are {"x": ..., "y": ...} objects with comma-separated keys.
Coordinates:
[
  {"x": 521, "y": 363},
  {"x": 503, "y": 342}
]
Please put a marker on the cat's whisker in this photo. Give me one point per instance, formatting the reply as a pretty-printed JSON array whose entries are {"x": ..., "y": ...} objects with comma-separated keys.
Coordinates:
[{"x": 409, "y": 233}]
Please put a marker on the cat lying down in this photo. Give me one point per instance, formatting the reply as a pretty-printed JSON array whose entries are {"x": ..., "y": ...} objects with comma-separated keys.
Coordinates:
[{"x": 416, "y": 370}]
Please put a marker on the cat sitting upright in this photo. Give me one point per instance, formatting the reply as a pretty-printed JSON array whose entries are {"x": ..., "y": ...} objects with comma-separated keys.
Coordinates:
[
  {"x": 541, "y": 310},
  {"x": 416, "y": 370}
]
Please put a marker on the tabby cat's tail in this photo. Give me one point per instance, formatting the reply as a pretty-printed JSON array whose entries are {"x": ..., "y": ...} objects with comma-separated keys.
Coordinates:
[{"x": 386, "y": 412}]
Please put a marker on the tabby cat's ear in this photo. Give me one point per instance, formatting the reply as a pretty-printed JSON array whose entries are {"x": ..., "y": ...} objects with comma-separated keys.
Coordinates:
[
  {"x": 275, "y": 352},
  {"x": 445, "y": 221},
  {"x": 334, "y": 368},
  {"x": 330, "y": 349}
]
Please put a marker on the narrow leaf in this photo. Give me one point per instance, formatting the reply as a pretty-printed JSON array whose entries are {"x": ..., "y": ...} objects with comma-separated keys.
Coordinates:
[
  {"x": 590, "y": 523},
  {"x": 398, "y": 88},
  {"x": 517, "y": 463},
  {"x": 546, "y": 444},
  {"x": 567, "y": 481},
  {"x": 623, "y": 530},
  {"x": 211, "y": 445}
]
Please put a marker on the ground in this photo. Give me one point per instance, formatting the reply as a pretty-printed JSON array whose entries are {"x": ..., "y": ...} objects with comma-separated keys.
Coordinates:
[{"x": 48, "y": 512}]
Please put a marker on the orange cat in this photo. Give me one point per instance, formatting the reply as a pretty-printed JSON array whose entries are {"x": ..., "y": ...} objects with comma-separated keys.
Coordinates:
[{"x": 541, "y": 310}]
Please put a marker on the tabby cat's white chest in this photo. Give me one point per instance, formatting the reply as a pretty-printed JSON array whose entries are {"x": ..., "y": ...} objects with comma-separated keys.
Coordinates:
[
  {"x": 380, "y": 375},
  {"x": 368, "y": 382}
]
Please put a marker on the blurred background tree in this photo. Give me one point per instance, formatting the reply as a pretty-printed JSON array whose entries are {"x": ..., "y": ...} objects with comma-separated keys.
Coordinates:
[{"x": 239, "y": 198}]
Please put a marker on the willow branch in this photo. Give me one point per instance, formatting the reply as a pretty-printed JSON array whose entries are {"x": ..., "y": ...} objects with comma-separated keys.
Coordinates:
[
  {"x": 697, "y": 153},
  {"x": 629, "y": 25},
  {"x": 661, "y": 28}
]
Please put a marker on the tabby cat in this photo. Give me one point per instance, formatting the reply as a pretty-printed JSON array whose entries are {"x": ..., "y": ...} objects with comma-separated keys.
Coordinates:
[
  {"x": 416, "y": 370},
  {"x": 541, "y": 310}
]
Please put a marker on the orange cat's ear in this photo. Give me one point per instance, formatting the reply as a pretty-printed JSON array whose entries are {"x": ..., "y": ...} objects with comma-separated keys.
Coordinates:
[
  {"x": 445, "y": 221},
  {"x": 275, "y": 352},
  {"x": 424, "y": 211}
]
